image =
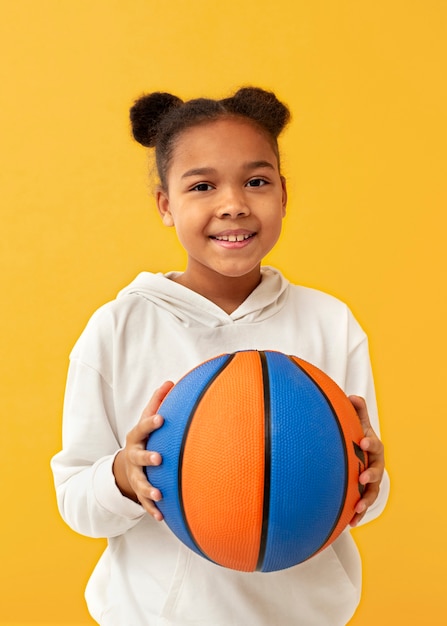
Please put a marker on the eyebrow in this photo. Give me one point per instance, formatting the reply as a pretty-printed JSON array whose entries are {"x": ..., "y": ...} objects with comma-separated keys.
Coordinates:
[
  {"x": 204, "y": 171},
  {"x": 199, "y": 171}
]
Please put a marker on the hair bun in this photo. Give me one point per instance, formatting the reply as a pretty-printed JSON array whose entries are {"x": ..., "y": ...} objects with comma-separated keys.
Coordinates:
[
  {"x": 262, "y": 106},
  {"x": 146, "y": 114}
]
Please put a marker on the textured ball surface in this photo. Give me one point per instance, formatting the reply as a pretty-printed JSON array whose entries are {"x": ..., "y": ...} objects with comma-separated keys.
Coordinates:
[{"x": 261, "y": 460}]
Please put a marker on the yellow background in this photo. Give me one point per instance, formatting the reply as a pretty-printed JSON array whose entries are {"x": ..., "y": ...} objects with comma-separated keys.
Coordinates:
[{"x": 366, "y": 163}]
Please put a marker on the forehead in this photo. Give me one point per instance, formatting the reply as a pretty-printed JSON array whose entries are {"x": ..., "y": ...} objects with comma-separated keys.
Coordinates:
[{"x": 231, "y": 139}]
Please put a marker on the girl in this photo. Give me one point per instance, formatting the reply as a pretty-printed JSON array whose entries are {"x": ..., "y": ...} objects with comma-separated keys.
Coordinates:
[{"x": 221, "y": 188}]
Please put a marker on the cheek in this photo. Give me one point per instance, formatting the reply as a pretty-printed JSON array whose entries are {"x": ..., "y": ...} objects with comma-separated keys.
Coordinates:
[
  {"x": 276, "y": 221},
  {"x": 275, "y": 228},
  {"x": 188, "y": 229},
  {"x": 278, "y": 231}
]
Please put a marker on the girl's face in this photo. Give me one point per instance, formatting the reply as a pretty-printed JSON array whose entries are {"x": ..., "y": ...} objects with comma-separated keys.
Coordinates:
[{"x": 226, "y": 199}]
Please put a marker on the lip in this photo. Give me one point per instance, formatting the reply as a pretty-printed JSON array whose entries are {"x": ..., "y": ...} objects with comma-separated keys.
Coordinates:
[
  {"x": 238, "y": 235},
  {"x": 233, "y": 239}
]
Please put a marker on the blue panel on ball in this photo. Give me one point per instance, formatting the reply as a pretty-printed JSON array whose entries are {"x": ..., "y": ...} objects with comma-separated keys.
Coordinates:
[
  {"x": 308, "y": 468},
  {"x": 176, "y": 410}
]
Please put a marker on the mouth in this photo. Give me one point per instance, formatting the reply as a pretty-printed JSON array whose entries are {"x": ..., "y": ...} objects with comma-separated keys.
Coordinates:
[{"x": 233, "y": 238}]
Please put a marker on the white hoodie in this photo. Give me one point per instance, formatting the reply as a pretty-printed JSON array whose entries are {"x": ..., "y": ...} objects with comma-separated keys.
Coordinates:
[{"x": 157, "y": 330}]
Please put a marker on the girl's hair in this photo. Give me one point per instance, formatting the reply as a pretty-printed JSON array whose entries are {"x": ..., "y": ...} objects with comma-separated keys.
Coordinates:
[{"x": 158, "y": 118}]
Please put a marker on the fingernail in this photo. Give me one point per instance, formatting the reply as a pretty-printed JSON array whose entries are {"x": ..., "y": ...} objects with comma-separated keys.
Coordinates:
[
  {"x": 154, "y": 459},
  {"x": 158, "y": 420}
]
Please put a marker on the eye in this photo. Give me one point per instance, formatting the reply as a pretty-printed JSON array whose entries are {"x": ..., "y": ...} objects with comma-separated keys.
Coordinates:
[
  {"x": 257, "y": 182},
  {"x": 201, "y": 187}
]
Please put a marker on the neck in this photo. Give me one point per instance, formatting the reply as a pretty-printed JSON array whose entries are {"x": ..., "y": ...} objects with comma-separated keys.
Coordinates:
[{"x": 227, "y": 292}]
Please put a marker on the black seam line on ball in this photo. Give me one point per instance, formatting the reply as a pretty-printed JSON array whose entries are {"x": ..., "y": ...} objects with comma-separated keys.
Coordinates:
[
  {"x": 345, "y": 455},
  {"x": 230, "y": 357},
  {"x": 267, "y": 461}
]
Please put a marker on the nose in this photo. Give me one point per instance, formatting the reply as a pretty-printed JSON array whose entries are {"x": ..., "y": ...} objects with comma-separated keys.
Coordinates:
[{"x": 232, "y": 204}]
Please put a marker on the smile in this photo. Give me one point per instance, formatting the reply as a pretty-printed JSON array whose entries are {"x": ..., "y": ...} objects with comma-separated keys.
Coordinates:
[{"x": 232, "y": 238}]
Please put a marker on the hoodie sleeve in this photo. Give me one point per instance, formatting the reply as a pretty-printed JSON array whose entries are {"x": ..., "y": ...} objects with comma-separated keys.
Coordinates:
[
  {"x": 88, "y": 497},
  {"x": 359, "y": 381}
]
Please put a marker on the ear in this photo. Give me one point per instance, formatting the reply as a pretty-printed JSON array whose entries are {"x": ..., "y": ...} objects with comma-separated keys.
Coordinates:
[
  {"x": 284, "y": 195},
  {"x": 162, "y": 200}
]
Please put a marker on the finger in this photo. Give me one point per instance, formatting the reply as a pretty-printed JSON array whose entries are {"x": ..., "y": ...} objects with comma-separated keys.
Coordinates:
[
  {"x": 372, "y": 445},
  {"x": 357, "y": 519},
  {"x": 368, "y": 500},
  {"x": 142, "y": 488},
  {"x": 371, "y": 478},
  {"x": 363, "y": 505},
  {"x": 150, "y": 507},
  {"x": 145, "y": 491},
  {"x": 141, "y": 431},
  {"x": 147, "y": 496},
  {"x": 157, "y": 398},
  {"x": 371, "y": 475},
  {"x": 150, "y": 420},
  {"x": 143, "y": 458},
  {"x": 359, "y": 405}
]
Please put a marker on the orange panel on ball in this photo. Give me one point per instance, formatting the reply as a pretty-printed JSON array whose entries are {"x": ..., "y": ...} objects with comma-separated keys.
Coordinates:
[{"x": 224, "y": 455}]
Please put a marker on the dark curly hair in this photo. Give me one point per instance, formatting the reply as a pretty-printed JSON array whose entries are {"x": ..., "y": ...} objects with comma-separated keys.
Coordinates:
[{"x": 158, "y": 118}]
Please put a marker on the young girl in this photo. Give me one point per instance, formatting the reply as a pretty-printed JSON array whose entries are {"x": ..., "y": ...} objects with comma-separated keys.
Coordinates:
[{"x": 221, "y": 188}]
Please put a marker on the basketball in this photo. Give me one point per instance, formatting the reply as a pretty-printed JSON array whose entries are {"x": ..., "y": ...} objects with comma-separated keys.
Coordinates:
[{"x": 260, "y": 460}]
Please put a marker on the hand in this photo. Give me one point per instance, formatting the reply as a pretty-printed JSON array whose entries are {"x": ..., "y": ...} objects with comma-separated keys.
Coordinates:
[
  {"x": 372, "y": 476},
  {"x": 130, "y": 461}
]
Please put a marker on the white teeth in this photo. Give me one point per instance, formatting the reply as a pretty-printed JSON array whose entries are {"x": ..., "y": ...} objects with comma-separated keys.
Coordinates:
[{"x": 232, "y": 238}]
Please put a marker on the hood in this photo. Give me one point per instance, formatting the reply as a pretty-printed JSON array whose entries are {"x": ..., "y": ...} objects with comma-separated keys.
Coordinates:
[{"x": 192, "y": 309}]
